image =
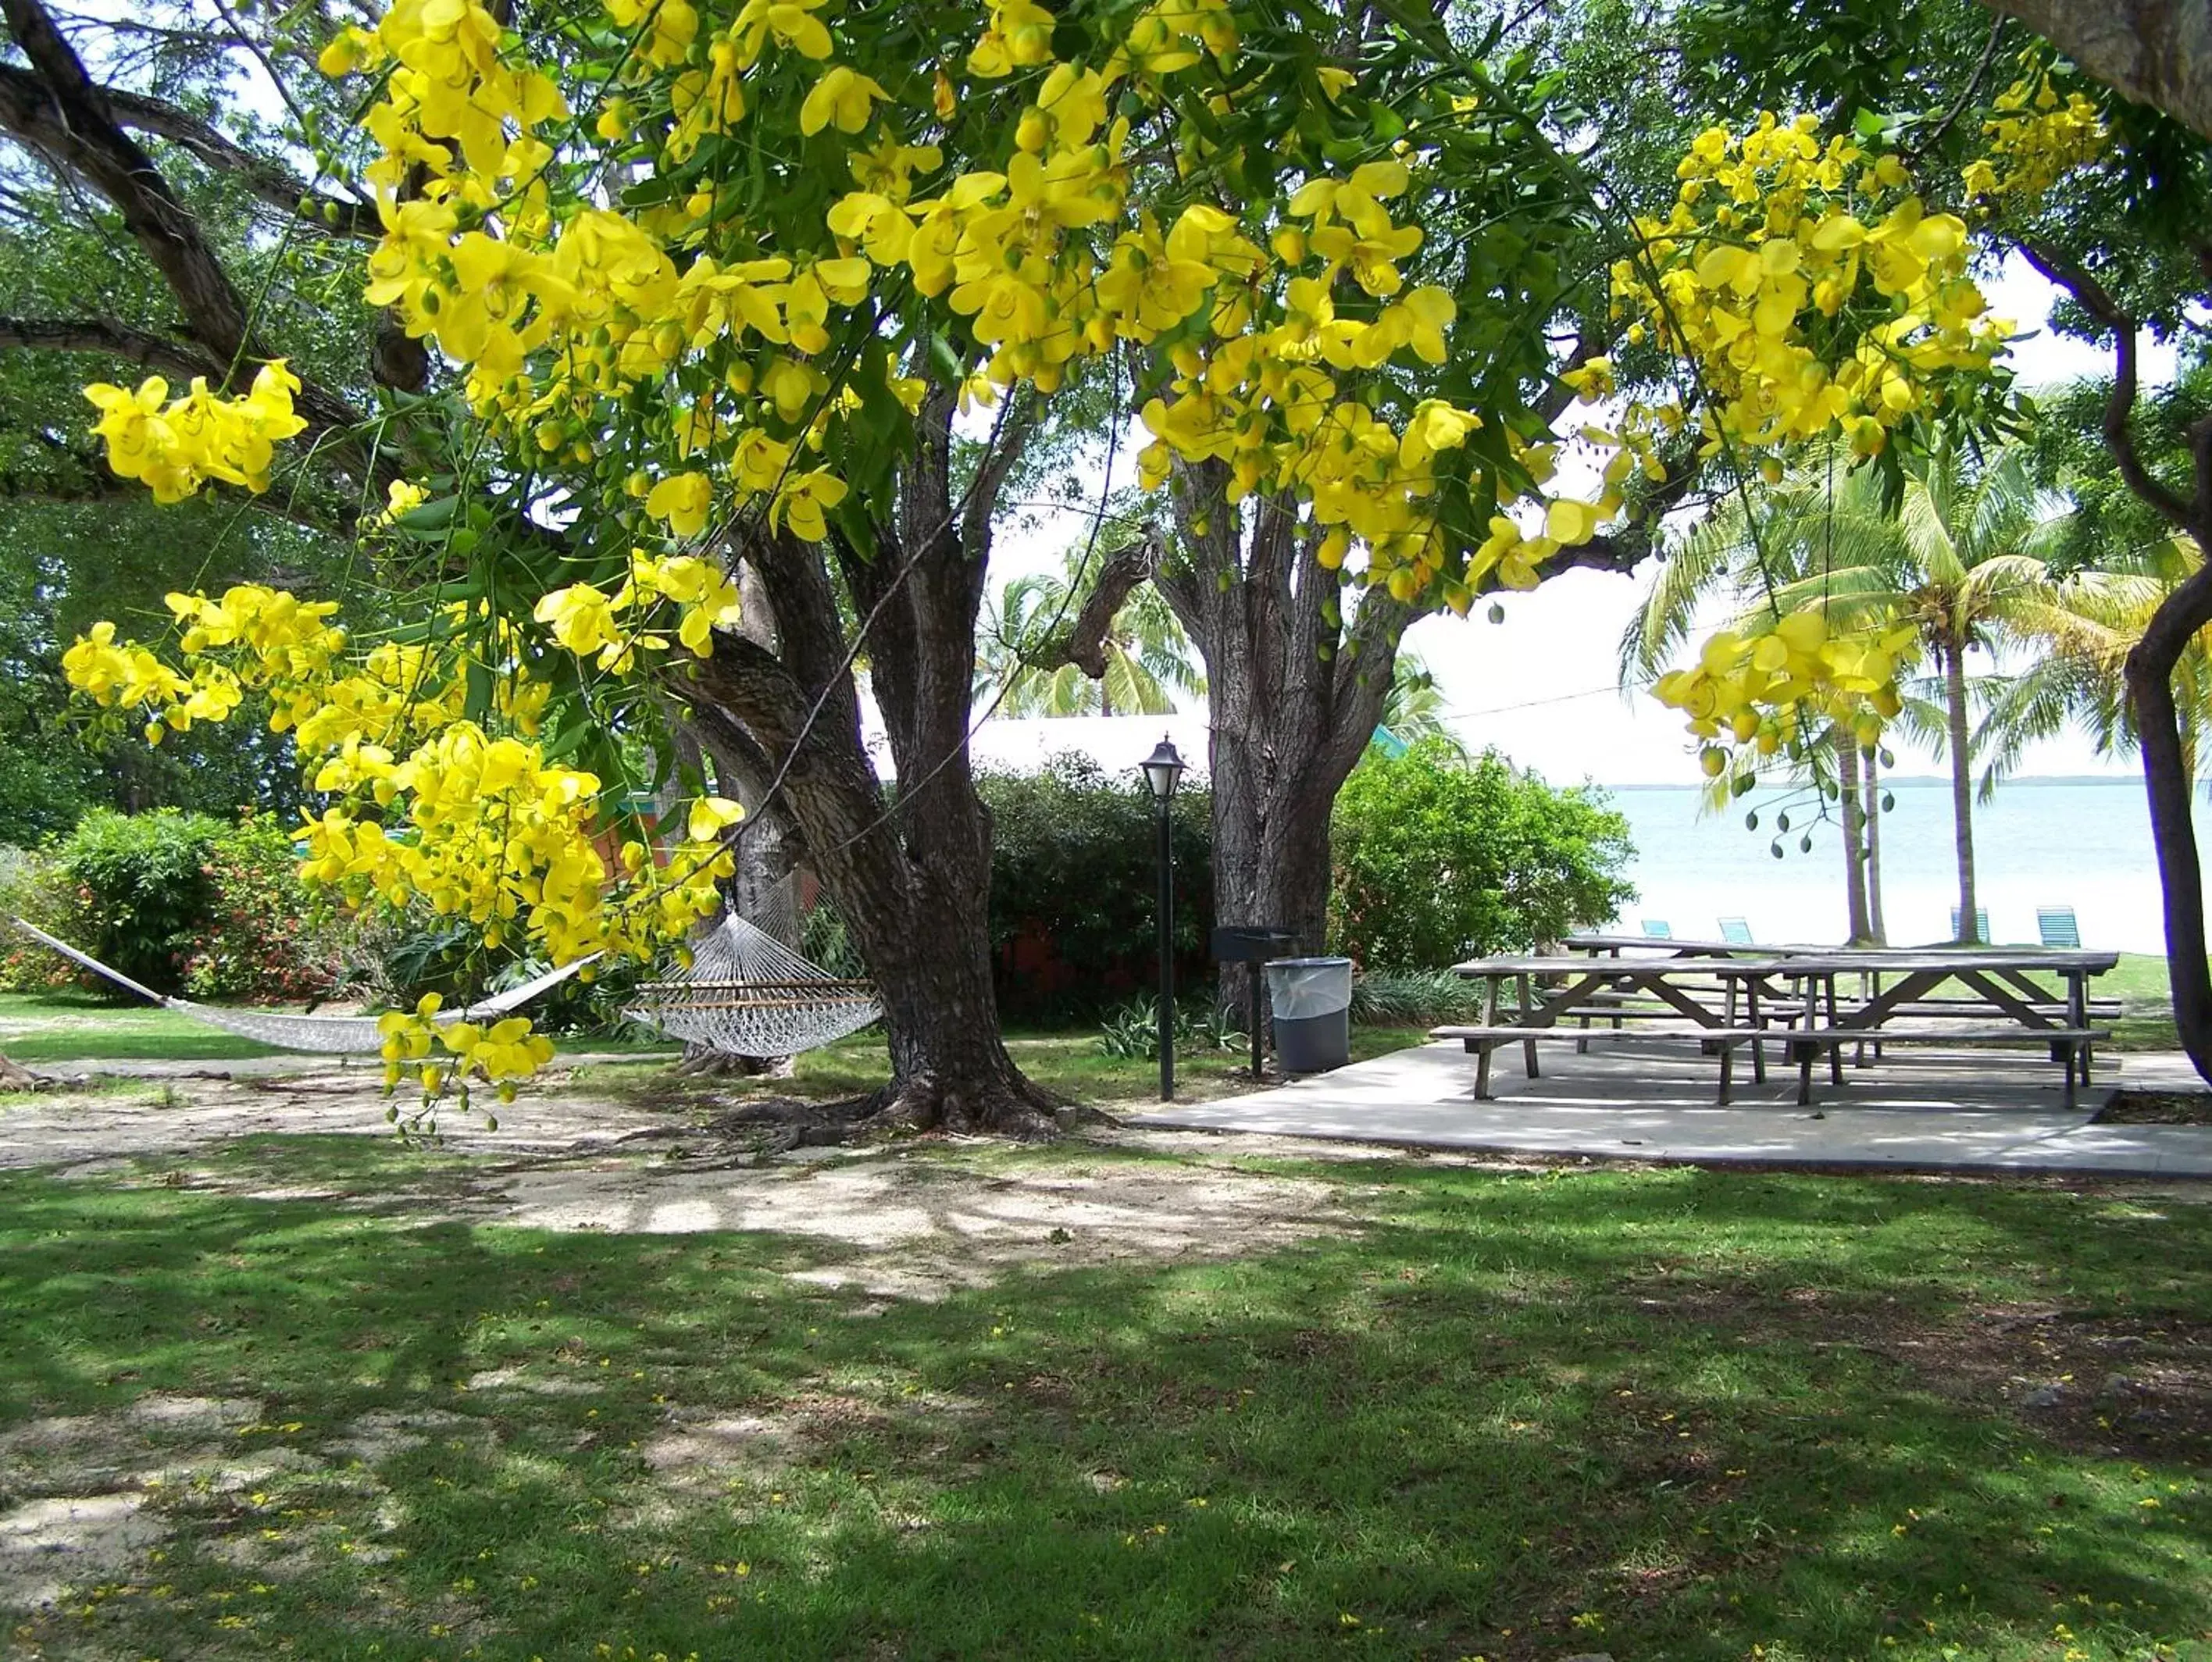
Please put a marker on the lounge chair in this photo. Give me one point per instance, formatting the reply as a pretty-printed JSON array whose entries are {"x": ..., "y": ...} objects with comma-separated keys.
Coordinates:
[
  {"x": 1736, "y": 932},
  {"x": 2056, "y": 925},
  {"x": 1658, "y": 928},
  {"x": 1981, "y": 924}
]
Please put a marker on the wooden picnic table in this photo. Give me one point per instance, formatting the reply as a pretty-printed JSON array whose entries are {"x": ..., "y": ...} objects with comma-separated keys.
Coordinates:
[
  {"x": 1573, "y": 989},
  {"x": 1721, "y": 999},
  {"x": 1670, "y": 946}
]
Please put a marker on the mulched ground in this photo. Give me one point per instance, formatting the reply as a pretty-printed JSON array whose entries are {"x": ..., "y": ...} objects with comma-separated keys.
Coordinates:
[{"x": 2153, "y": 1107}]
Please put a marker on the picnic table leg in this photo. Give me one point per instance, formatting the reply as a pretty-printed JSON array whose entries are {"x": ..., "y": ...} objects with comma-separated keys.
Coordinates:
[
  {"x": 1528, "y": 1045},
  {"x": 1758, "y": 1048},
  {"x": 1728, "y": 1069},
  {"x": 1482, "y": 1074},
  {"x": 1835, "y": 1052},
  {"x": 2078, "y": 1012},
  {"x": 1807, "y": 1051}
]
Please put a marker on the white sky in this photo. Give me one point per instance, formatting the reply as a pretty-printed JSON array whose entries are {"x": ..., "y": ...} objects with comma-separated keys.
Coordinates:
[{"x": 1542, "y": 685}]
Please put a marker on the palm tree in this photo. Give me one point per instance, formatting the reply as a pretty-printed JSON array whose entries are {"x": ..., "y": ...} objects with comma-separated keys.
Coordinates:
[
  {"x": 1148, "y": 658},
  {"x": 1958, "y": 552},
  {"x": 2079, "y": 643},
  {"x": 1415, "y": 707}
]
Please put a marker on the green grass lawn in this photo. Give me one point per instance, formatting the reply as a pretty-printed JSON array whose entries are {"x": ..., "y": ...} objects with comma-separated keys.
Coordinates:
[
  {"x": 1675, "y": 1415},
  {"x": 54, "y": 1029},
  {"x": 2141, "y": 983}
]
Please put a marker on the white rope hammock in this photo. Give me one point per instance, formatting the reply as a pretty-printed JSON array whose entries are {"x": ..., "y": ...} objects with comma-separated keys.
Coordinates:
[
  {"x": 748, "y": 994},
  {"x": 330, "y": 1035}
]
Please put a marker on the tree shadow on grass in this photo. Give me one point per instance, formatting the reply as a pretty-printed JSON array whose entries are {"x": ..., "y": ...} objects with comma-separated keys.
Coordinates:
[{"x": 1506, "y": 1404}]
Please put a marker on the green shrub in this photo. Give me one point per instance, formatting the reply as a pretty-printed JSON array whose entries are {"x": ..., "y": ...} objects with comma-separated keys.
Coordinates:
[
  {"x": 144, "y": 889},
  {"x": 1413, "y": 998},
  {"x": 1074, "y": 879},
  {"x": 1133, "y": 1029},
  {"x": 1436, "y": 858}
]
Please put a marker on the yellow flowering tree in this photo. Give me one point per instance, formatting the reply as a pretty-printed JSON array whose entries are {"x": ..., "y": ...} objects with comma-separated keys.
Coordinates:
[
  {"x": 689, "y": 304},
  {"x": 773, "y": 300}
]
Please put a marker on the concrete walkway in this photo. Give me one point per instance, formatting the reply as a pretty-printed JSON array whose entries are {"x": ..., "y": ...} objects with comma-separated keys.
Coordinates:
[{"x": 1912, "y": 1110}]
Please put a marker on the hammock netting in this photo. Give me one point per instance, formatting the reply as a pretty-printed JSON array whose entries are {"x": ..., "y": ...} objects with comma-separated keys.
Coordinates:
[
  {"x": 329, "y": 1035},
  {"x": 747, "y": 994}
]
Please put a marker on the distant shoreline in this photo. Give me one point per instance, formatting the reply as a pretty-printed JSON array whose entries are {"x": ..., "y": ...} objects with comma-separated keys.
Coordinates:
[{"x": 1911, "y": 781}]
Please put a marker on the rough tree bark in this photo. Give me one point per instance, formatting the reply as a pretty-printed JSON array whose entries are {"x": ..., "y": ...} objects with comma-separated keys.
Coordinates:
[
  {"x": 1295, "y": 691},
  {"x": 1961, "y": 742},
  {"x": 2156, "y": 51},
  {"x": 911, "y": 878}
]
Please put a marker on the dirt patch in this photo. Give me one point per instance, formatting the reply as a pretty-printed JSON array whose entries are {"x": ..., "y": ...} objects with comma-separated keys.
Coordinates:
[
  {"x": 155, "y": 1437},
  {"x": 921, "y": 1227},
  {"x": 50, "y": 1545},
  {"x": 2156, "y": 1108},
  {"x": 2099, "y": 1381},
  {"x": 68, "y": 1127}
]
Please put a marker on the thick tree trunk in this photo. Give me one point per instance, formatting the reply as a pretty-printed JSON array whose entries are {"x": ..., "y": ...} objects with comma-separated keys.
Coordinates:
[
  {"x": 1859, "y": 926},
  {"x": 911, "y": 878},
  {"x": 2168, "y": 760},
  {"x": 2167, "y": 772},
  {"x": 1294, "y": 689},
  {"x": 1877, "y": 930},
  {"x": 1962, "y": 784},
  {"x": 2156, "y": 51}
]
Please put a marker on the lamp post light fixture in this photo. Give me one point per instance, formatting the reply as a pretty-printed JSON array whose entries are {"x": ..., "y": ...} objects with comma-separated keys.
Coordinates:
[{"x": 1163, "y": 773}]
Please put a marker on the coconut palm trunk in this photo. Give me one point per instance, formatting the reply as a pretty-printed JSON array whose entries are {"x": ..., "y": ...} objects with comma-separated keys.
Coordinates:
[
  {"x": 1962, "y": 781},
  {"x": 1855, "y": 821},
  {"x": 1877, "y": 931}
]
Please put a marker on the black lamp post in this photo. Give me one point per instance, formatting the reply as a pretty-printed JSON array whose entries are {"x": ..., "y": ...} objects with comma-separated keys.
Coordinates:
[{"x": 1162, "y": 771}]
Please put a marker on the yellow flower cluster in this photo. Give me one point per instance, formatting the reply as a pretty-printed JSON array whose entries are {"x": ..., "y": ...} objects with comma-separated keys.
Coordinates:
[
  {"x": 1773, "y": 239},
  {"x": 559, "y": 307},
  {"x": 177, "y": 446},
  {"x": 1749, "y": 687},
  {"x": 455, "y": 1055},
  {"x": 428, "y": 804},
  {"x": 1814, "y": 296},
  {"x": 588, "y": 622},
  {"x": 2035, "y": 138}
]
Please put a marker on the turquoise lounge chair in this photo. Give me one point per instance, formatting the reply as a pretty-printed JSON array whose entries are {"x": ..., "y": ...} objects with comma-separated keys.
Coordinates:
[
  {"x": 2056, "y": 925},
  {"x": 1736, "y": 932},
  {"x": 1659, "y": 929},
  {"x": 1981, "y": 924}
]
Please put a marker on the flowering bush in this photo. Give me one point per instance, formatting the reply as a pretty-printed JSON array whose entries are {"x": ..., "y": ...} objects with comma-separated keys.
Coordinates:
[
  {"x": 265, "y": 941},
  {"x": 33, "y": 888}
]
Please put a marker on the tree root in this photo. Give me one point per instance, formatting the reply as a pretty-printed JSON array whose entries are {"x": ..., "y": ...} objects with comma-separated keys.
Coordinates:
[{"x": 701, "y": 1063}]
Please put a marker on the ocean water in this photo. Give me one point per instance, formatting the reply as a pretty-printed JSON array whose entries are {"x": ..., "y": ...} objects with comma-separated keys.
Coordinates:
[{"x": 2082, "y": 843}]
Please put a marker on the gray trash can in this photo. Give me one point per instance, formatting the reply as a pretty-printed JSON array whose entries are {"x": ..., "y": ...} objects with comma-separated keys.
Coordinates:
[{"x": 1312, "y": 998}]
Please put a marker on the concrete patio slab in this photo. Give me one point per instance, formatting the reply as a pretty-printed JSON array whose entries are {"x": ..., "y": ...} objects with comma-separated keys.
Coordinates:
[{"x": 1915, "y": 1110}]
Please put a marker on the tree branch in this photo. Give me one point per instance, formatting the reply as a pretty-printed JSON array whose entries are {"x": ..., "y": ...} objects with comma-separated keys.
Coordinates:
[
  {"x": 270, "y": 180},
  {"x": 1082, "y": 643},
  {"x": 2119, "y": 436},
  {"x": 59, "y": 110},
  {"x": 139, "y": 346}
]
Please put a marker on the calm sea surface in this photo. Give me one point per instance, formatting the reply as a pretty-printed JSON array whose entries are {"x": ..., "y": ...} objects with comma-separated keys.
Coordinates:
[{"x": 2082, "y": 843}]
